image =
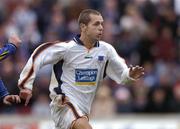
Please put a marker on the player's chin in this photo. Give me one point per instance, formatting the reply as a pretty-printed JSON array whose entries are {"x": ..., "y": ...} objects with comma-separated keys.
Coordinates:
[{"x": 98, "y": 37}]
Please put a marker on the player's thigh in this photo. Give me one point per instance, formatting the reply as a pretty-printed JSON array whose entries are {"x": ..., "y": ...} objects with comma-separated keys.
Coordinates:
[{"x": 82, "y": 123}]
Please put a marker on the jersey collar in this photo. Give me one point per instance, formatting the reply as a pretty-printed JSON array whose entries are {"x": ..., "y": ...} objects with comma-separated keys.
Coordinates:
[{"x": 78, "y": 41}]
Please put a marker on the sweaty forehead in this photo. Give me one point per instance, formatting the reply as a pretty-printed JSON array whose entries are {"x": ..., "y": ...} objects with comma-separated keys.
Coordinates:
[{"x": 96, "y": 18}]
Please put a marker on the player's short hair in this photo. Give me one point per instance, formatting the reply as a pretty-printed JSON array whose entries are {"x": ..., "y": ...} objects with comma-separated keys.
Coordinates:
[{"x": 84, "y": 16}]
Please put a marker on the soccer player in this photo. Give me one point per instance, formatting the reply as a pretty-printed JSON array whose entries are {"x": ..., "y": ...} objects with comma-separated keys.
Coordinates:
[
  {"x": 78, "y": 68},
  {"x": 8, "y": 49}
]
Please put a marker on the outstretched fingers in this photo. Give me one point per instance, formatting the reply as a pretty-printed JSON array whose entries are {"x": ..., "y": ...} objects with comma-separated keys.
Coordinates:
[{"x": 136, "y": 72}]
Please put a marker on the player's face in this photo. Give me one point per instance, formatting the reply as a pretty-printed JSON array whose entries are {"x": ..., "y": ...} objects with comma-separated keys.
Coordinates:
[{"x": 94, "y": 28}]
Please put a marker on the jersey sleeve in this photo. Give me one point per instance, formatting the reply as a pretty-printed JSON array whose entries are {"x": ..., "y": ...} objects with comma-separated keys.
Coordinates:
[
  {"x": 49, "y": 53},
  {"x": 8, "y": 49},
  {"x": 117, "y": 68},
  {"x": 3, "y": 90}
]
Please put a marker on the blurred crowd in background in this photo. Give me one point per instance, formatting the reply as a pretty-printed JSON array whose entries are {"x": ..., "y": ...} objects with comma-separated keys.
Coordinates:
[{"x": 144, "y": 32}]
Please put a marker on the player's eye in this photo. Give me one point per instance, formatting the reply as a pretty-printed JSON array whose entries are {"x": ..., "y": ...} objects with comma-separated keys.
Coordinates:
[{"x": 98, "y": 23}]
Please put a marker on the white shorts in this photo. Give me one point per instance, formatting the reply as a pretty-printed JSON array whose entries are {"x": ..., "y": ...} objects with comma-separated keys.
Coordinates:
[{"x": 64, "y": 113}]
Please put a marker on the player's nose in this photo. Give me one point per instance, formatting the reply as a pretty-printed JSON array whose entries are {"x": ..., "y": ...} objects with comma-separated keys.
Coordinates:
[{"x": 100, "y": 28}]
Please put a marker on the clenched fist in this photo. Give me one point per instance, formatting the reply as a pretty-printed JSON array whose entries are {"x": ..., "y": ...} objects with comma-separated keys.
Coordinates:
[{"x": 9, "y": 99}]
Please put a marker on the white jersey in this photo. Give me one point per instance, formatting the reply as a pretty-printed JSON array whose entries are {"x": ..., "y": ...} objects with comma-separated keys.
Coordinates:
[{"x": 76, "y": 71}]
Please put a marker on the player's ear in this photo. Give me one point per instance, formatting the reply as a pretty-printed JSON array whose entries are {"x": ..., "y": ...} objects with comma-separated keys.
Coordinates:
[{"x": 82, "y": 26}]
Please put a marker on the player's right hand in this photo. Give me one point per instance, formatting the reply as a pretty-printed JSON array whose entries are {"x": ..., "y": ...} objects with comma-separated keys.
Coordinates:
[
  {"x": 25, "y": 94},
  {"x": 15, "y": 40}
]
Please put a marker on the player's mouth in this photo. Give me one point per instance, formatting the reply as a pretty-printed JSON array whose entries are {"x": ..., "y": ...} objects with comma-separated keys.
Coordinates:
[{"x": 100, "y": 35}]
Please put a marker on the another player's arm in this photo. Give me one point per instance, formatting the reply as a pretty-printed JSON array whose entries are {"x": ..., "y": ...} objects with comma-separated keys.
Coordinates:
[
  {"x": 3, "y": 90},
  {"x": 10, "y": 47},
  {"x": 5, "y": 97}
]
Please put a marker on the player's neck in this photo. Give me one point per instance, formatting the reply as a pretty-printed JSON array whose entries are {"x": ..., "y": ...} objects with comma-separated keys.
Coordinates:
[{"x": 87, "y": 42}]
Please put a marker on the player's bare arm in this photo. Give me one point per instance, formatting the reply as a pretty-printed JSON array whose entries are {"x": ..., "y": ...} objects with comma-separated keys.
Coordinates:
[{"x": 15, "y": 40}]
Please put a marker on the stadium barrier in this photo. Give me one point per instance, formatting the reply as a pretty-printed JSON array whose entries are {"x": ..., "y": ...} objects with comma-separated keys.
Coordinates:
[{"x": 121, "y": 122}]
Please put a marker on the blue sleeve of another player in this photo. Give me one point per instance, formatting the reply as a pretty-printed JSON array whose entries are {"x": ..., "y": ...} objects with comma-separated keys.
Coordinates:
[
  {"x": 3, "y": 91},
  {"x": 8, "y": 49}
]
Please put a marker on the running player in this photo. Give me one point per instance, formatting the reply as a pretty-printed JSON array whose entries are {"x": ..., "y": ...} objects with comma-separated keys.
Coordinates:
[{"x": 79, "y": 67}]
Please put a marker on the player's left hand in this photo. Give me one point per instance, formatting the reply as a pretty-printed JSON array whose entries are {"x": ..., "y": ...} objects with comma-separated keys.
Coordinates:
[
  {"x": 136, "y": 72},
  {"x": 9, "y": 99}
]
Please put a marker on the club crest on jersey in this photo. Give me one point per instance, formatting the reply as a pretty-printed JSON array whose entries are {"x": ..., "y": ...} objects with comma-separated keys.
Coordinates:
[
  {"x": 100, "y": 58},
  {"x": 85, "y": 77}
]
